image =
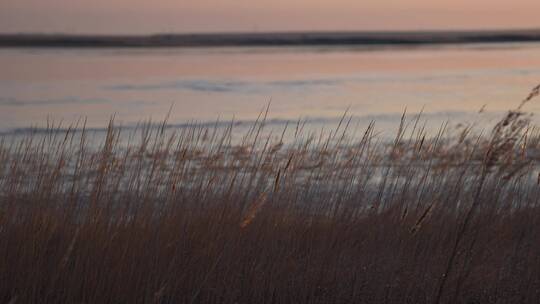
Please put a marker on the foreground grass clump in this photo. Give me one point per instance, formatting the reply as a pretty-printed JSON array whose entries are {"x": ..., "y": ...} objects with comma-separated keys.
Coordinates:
[{"x": 188, "y": 217}]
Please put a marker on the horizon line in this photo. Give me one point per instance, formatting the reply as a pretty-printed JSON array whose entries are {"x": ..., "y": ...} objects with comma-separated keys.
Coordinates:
[
  {"x": 263, "y": 32},
  {"x": 277, "y": 38}
]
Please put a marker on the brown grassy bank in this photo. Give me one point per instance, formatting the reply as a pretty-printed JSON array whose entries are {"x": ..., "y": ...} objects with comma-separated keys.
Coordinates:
[{"x": 189, "y": 218}]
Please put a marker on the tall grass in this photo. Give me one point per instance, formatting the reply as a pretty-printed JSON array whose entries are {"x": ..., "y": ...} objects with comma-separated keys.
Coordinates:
[{"x": 187, "y": 216}]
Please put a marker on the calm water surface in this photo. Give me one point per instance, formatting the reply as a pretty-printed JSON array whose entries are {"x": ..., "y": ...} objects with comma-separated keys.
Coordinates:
[{"x": 449, "y": 82}]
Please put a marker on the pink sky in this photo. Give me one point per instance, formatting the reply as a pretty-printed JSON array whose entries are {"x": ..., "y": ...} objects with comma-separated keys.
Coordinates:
[{"x": 150, "y": 16}]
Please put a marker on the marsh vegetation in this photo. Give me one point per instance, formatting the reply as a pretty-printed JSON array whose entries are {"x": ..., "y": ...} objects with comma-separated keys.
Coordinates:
[{"x": 188, "y": 216}]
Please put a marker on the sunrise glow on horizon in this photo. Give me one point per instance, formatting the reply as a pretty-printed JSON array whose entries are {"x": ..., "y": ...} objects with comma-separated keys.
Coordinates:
[{"x": 143, "y": 16}]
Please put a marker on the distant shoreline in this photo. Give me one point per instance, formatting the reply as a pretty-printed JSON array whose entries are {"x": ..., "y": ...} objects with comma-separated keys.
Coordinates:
[{"x": 268, "y": 39}]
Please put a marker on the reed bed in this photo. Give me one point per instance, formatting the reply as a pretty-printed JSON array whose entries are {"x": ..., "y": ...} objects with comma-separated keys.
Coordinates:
[{"x": 188, "y": 216}]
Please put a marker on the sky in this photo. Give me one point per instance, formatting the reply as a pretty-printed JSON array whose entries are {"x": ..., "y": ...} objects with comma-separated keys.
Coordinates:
[{"x": 156, "y": 16}]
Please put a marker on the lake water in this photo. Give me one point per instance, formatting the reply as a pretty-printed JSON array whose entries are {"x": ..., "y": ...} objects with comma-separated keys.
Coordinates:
[{"x": 317, "y": 83}]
